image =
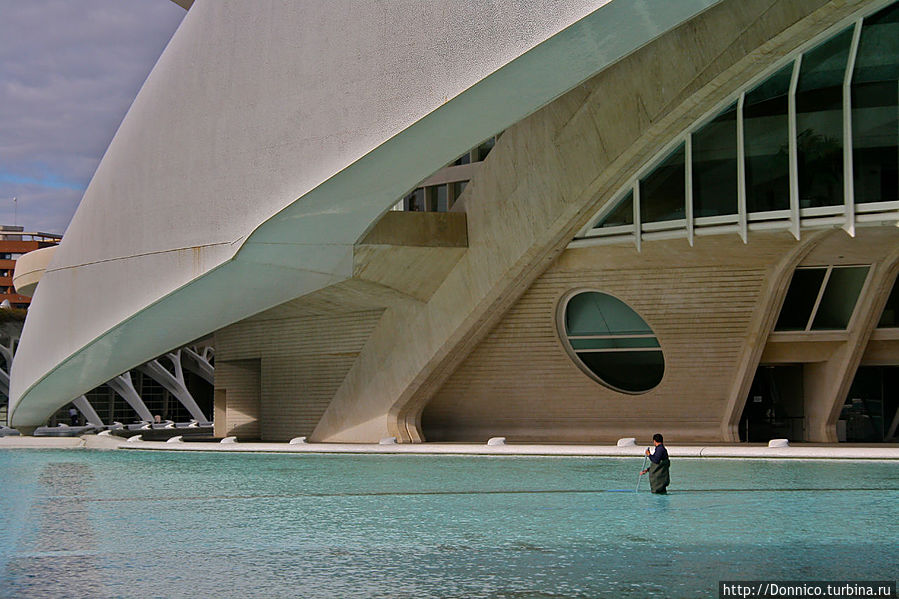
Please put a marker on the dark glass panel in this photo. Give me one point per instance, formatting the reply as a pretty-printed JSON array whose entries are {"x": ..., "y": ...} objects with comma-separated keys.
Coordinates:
[
  {"x": 442, "y": 199},
  {"x": 840, "y": 297},
  {"x": 415, "y": 201},
  {"x": 766, "y": 131},
  {"x": 878, "y": 48},
  {"x": 634, "y": 371},
  {"x": 715, "y": 166},
  {"x": 458, "y": 188},
  {"x": 662, "y": 192},
  {"x": 622, "y": 214},
  {"x": 875, "y": 135},
  {"x": 800, "y": 300},
  {"x": 593, "y": 313},
  {"x": 871, "y": 404},
  {"x": 485, "y": 148},
  {"x": 819, "y": 122},
  {"x": 890, "y": 317}
]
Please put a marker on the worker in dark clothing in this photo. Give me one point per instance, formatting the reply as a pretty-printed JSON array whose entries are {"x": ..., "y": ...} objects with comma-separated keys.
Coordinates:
[{"x": 658, "y": 467}]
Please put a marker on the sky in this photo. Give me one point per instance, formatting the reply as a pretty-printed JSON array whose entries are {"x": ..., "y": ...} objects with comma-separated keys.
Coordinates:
[{"x": 69, "y": 70}]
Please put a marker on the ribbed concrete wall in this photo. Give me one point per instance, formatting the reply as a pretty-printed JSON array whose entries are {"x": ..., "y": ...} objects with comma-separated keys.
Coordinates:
[
  {"x": 303, "y": 361},
  {"x": 239, "y": 379},
  {"x": 521, "y": 383}
]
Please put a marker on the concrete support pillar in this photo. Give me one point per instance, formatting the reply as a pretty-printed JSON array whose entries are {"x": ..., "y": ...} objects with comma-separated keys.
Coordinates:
[
  {"x": 197, "y": 360},
  {"x": 88, "y": 410},
  {"x": 174, "y": 383},
  {"x": 125, "y": 388}
]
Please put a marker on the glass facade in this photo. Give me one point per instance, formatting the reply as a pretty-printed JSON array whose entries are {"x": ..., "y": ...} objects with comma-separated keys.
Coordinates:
[
  {"x": 875, "y": 119},
  {"x": 821, "y": 298},
  {"x": 621, "y": 215},
  {"x": 819, "y": 123},
  {"x": 766, "y": 143},
  {"x": 816, "y": 140},
  {"x": 663, "y": 191},
  {"x": 715, "y": 166},
  {"x": 610, "y": 341}
]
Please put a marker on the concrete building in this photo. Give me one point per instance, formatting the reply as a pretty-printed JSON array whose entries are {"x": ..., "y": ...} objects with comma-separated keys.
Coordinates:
[{"x": 687, "y": 223}]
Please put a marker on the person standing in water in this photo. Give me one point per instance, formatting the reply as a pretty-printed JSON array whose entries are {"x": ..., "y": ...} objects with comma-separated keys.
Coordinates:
[{"x": 658, "y": 468}]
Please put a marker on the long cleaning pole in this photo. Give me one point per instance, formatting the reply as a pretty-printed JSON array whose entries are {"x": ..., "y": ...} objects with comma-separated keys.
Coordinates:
[{"x": 640, "y": 477}]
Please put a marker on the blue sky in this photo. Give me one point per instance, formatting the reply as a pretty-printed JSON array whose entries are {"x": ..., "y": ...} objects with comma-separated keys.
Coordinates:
[{"x": 69, "y": 70}]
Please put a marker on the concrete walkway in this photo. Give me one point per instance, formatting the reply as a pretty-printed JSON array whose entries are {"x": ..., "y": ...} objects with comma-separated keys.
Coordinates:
[{"x": 800, "y": 451}]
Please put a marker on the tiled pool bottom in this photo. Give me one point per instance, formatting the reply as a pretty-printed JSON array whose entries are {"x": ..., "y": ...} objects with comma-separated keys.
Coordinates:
[{"x": 135, "y": 524}]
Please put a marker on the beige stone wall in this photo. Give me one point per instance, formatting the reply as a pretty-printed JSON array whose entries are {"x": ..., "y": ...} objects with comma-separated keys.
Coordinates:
[
  {"x": 300, "y": 359},
  {"x": 521, "y": 383},
  {"x": 237, "y": 397},
  {"x": 712, "y": 308}
]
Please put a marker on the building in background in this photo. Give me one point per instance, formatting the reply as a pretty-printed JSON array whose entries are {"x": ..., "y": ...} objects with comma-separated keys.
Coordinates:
[
  {"x": 688, "y": 223},
  {"x": 15, "y": 242}
]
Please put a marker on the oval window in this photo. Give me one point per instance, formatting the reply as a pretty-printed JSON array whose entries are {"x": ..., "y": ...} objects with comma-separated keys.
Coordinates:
[{"x": 612, "y": 343}]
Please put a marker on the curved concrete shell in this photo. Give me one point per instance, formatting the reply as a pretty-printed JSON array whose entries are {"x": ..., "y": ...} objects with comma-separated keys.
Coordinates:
[{"x": 268, "y": 140}]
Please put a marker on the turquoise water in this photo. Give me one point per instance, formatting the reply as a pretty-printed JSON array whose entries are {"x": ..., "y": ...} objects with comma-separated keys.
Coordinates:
[{"x": 148, "y": 524}]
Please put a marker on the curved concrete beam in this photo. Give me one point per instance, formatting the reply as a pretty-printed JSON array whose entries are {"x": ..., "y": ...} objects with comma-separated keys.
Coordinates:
[
  {"x": 90, "y": 414},
  {"x": 267, "y": 140},
  {"x": 30, "y": 268}
]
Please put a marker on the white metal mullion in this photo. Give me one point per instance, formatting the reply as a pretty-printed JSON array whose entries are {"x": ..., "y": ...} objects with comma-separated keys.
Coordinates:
[
  {"x": 848, "y": 187},
  {"x": 811, "y": 318},
  {"x": 794, "y": 157},
  {"x": 638, "y": 234},
  {"x": 688, "y": 185},
  {"x": 741, "y": 173}
]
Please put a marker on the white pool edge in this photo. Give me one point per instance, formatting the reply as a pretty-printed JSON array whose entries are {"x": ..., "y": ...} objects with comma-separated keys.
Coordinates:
[{"x": 830, "y": 452}]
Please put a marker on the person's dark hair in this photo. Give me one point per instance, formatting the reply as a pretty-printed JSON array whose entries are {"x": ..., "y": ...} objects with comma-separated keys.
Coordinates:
[{"x": 657, "y": 437}]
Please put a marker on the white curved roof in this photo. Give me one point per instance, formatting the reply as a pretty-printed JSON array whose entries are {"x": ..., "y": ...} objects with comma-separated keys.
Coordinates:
[{"x": 267, "y": 139}]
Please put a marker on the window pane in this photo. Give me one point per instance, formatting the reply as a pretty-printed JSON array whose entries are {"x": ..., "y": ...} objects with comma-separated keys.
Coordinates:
[
  {"x": 875, "y": 127},
  {"x": 878, "y": 48},
  {"x": 442, "y": 200},
  {"x": 593, "y": 313},
  {"x": 715, "y": 166},
  {"x": 890, "y": 316},
  {"x": 634, "y": 371},
  {"x": 622, "y": 214},
  {"x": 629, "y": 364},
  {"x": 800, "y": 300},
  {"x": 662, "y": 194},
  {"x": 819, "y": 122},
  {"x": 875, "y": 134},
  {"x": 415, "y": 201},
  {"x": 840, "y": 297},
  {"x": 485, "y": 148},
  {"x": 766, "y": 129}
]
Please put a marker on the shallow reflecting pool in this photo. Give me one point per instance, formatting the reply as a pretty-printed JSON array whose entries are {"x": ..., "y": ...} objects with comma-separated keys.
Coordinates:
[{"x": 147, "y": 524}]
